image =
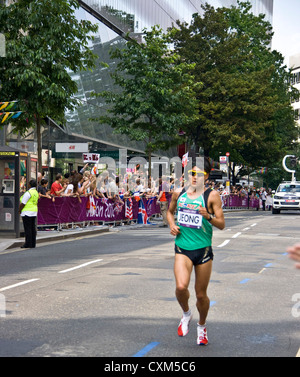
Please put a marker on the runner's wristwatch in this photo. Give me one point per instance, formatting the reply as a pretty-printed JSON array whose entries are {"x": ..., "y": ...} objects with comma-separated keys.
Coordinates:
[{"x": 211, "y": 216}]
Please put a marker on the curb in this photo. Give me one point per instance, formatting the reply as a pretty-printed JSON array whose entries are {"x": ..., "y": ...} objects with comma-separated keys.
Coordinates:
[{"x": 16, "y": 244}]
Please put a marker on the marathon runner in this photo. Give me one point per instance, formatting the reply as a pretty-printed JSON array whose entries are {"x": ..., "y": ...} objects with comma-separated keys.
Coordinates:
[{"x": 198, "y": 210}]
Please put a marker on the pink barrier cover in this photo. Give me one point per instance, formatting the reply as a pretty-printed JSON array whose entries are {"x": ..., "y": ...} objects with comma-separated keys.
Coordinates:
[
  {"x": 236, "y": 201},
  {"x": 68, "y": 210}
]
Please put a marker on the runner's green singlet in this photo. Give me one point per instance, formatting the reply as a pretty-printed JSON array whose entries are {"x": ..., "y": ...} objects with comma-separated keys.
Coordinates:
[{"x": 195, "y": 231}]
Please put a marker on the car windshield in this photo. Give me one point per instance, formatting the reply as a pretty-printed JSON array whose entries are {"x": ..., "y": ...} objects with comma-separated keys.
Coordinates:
[{"x": 288, "y": 188}]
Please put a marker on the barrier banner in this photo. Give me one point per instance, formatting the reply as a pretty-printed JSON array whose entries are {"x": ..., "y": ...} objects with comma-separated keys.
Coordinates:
[
  {"x": 68, "y": 210},
  {"x": 62, "y": 210},
  {"x": 234, "y": 201}
]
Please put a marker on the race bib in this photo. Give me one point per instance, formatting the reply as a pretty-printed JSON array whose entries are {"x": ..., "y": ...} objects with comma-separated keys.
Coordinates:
[{"x": 189, "y": 218}]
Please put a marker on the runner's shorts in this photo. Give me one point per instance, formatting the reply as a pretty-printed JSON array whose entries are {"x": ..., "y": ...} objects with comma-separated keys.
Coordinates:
[{"x": 198, "y": 256}]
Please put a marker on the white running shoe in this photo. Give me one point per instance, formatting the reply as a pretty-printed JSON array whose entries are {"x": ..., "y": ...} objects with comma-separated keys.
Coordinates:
[
  {"x": 202, "y": 339},
  {"x": 183, "y": 327}
]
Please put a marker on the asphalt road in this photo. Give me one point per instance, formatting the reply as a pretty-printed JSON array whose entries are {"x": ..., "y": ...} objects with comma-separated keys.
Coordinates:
[{"x": 113, "y": 295}]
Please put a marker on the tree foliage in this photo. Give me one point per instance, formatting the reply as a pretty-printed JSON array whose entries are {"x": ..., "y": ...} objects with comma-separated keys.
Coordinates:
[
  {"x": 244, "y": 103},
  {"x": 157, "y": 92},
  {"x": 44, "y": 43}
]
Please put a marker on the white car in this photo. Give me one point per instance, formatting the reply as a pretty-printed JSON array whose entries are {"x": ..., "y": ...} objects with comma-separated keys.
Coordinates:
[{"x": 287, "y": 197}]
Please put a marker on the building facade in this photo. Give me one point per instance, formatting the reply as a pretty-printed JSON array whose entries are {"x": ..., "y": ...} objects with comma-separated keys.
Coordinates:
[
  {"x": 294, "y": 65},
  {"x": 135, "y": 15}
]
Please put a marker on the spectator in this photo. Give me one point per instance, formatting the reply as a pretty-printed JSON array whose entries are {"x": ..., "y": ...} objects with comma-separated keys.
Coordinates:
[
  {"x": 102, "y": 183},
  {"x": 82, "y": 171},
  {"x": 162, "y": 199},
  {"x": 257, "y": 196},
  {"x": 151, "y": 190},
  {"x": 263, "y": 198},
  {"x": 69, "y": 189},
  {"x": 85, "y": 183},
  {"x": 43, "y": 189},
  {"x": 77, "y": 184},
  {"x": 39, "y": 178},
  {"x": 57, "y": 188},
  {"x": 80, "y": 184},
  {"x": 269, "y": 201},
  {"x": 138, "y": 186},
  {"x": 93, "y": 188}
]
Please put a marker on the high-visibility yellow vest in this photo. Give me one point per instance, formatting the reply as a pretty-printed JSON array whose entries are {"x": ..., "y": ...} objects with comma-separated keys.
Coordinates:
[{"x": 31, "y": 205}]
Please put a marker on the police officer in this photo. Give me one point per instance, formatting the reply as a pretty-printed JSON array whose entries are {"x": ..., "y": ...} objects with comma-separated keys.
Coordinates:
[{"x": 28, "y": 210}]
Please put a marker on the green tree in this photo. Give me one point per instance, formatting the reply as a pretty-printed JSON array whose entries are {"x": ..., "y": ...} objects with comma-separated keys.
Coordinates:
[
  {"x": 280, "y": 133},
  {"x": 244, "y": 103},
  {"x": 156, "y": 96},
  {"x": 44, "y": 43}
]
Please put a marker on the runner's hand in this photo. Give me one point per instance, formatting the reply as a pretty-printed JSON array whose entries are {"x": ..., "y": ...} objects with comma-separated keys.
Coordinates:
[
  {"x": 203, "y": 212},
  {"x": 174, "y": 230},
  {"x": 294, "y": 253}
]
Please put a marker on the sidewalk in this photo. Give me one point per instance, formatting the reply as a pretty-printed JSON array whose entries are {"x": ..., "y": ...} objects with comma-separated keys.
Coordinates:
[
  {"x": 45, "y": 236},
  {"x": 52, "y": 235}
]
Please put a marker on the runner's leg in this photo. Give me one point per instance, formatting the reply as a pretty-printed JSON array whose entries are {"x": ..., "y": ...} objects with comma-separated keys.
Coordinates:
[
  {"x": 183, "y": 267},
  {"x": 203, "y": 273}
]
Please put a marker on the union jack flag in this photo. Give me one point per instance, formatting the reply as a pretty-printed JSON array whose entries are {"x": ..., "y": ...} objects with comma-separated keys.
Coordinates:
[
  {"x": 128, "y": 209},
  {"x": 142, "y": 215},
  {"x": 118, "y": 206},
  {"x": 185, "y": 159}
]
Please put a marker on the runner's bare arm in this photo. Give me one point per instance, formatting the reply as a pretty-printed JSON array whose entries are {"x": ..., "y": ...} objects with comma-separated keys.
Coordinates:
[
  {"x": 214, "y": 207},
  {"x": 174, "y": 229},
  {"x": 215, "y": 203}
]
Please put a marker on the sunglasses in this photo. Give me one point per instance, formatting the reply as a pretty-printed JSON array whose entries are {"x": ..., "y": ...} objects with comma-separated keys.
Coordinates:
[{"x": 195, "y": 173}]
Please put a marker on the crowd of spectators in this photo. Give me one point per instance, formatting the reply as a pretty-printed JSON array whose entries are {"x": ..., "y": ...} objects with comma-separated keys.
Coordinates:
[
  {"x": 104, "y": 185},
  {"x": 108, "y": 185},
  {"x": 244, "y": 191}
]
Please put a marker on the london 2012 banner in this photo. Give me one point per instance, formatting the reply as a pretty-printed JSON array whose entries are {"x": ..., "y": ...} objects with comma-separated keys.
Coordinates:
[{"x": 68, "y": 210}]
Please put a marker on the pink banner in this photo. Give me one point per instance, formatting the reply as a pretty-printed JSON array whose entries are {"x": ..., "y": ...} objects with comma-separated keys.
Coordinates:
[
  {"x": 68, "y": 210},
  {"x": 234, "y": 201}
]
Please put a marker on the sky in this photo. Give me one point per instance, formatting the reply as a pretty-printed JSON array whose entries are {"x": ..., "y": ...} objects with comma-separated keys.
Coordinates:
[{"x": 286, "y": 27}]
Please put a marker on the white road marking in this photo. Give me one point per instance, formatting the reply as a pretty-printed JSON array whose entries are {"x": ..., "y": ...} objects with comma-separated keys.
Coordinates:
[
  {"x": 298, "y": 354},
  {"x": 245, "y": 229},
  {"x": 237, "y": 235},
  {"x": 18, "y": 284},
  {"x": 80, "y": 266},
  {"x": 224, "y": 243},
  {"x": 253, "y": 225},
  {"x": 268, "y": 234}
]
